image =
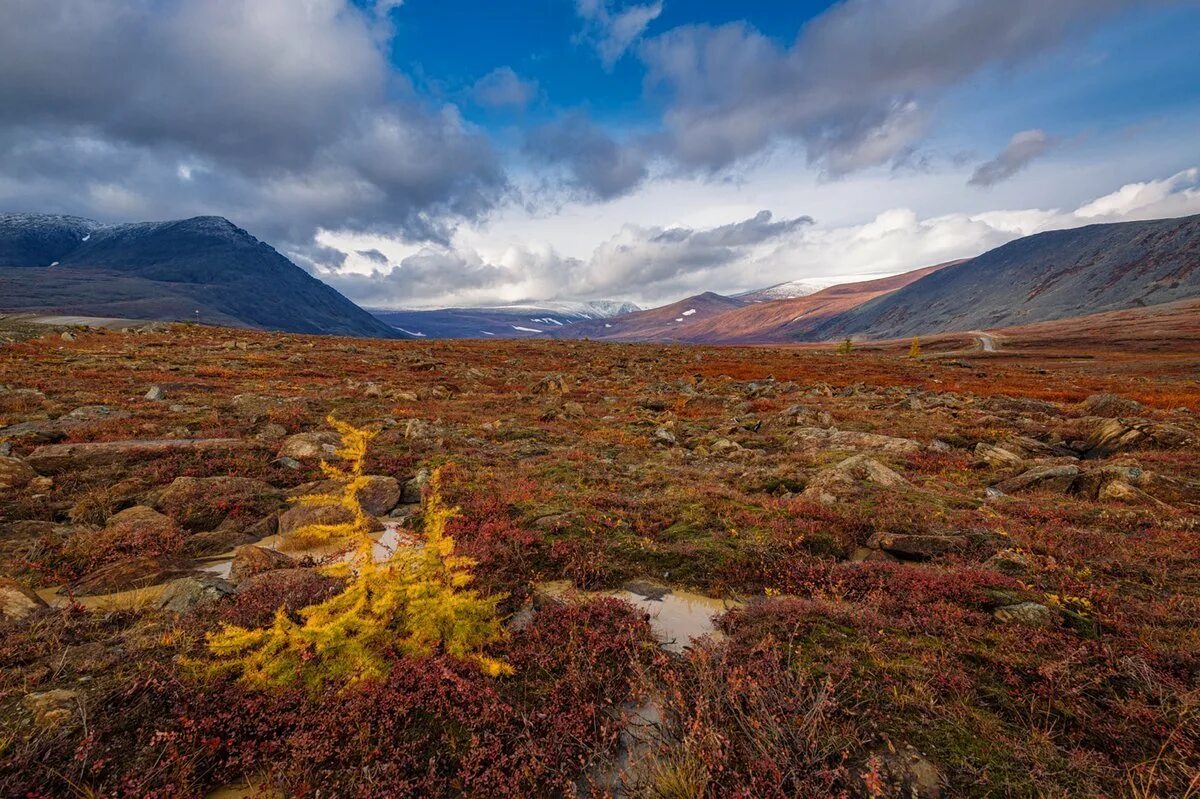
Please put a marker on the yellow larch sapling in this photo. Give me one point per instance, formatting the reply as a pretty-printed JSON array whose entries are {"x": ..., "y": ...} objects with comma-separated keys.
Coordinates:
[{"x": 415, "y": 602}]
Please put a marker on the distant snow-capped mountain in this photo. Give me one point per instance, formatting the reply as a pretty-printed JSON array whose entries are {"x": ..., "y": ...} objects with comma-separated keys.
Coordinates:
[
  {"x": 505, "y": 321},
  {"x": 788, "y": 291}
]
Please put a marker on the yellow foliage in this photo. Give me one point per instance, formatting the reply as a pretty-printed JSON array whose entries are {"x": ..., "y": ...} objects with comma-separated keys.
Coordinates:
[
  {"x": 846, "y": 347},
  {"x": 415, "y": 602},
  {"x": 914, "y": 351}
]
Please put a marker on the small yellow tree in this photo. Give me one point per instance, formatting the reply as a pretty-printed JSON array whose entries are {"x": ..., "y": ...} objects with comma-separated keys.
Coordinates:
[
  {"x": 846, "y": 347},
  {"x": 914, "y": 351},
  {"x": 415, "y": 602}
]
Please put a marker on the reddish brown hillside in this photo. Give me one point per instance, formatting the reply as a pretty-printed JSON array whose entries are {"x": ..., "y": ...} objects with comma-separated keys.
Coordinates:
[
  {"x": 666, "y": 323},
  {"x": 788, "y": 320}
]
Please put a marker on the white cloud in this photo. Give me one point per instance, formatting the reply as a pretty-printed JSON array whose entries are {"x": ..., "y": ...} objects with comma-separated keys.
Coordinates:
[
  {"x": 611, "y": 33},
  {"x": 656, "y": 264}
]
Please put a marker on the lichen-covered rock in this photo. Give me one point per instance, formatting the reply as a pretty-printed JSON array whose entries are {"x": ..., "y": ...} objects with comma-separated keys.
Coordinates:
[
  {"x": 180, "y": 596},
  {"x": 1042, "y": 478},
  {"x": 822, "y": 438},
  {"x": 1110, "y": 406},
  {"x": 1030, "y": 614},
  {"x": 851, "y": 477},
  {"x": 307, "y": 446},
  {"x": 911, "y": 546},
  {"x": 17, "y": 601},
  {"x": 54, "y": 708},
  {"x": 1122, "y": 435}
]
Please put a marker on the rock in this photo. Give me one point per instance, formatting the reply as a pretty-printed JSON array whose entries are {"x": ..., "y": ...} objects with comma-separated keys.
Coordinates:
[
  {"x": 724, "y": 445},
  {"x": 17, "y": 601},
  {"x": 1121, "y": 491},
  {"x": 300, "y": 516},
  {"x": 868, "y": 555},
  {"x": 1030, "y": 614},
  {"x": 818, "y": 438},
  {"x": 897, "y": 773},
  {"x": 551, "y": 384},
  {"x": 54, "y": 708},
  {"x": 380, "y": 494},
  {"x": 140, "y": 523},
  {"x": 156, "y": 394},
  {"x": 664, "y": 436},
  {"x": 1012, "y": 562},
  {"x": 1091, "y": 483},
  {"x": 1041, "y": 478},
  {"x": 58, "y": 458},
  {"x": 1122, "y": 435},
  {"x": 305, "y": 446},
  {"x": 910, "y": 546},
  {"x": 203, "y": 503},
  {"x": 180, "y": 596},
  {"x": 251, "y": 560},
  {"x": 14, "y": 473},
  {"x": 997, "y": 456},
  {"x": 271, "y": 432},
  {"x": 421, "y": 429},
  {"x": 287, "y": 463},
  {"x": 849, "y": 477},
  {"x": 1111, "y": 406},
  {"x": 68, "y": 336},
  {"x": 126, "y": 575},
  {"x": 414, "y": 487}
]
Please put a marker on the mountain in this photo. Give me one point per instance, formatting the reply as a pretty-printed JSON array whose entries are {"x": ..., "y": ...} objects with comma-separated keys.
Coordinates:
[
  {"x": 785, "y": 291},
  {"x": 781, "y": 321},
  {"x": 507, "y": 321},
  {"x": 1040, "y": 278},
  {"x": 656, "y": 324},
  {"x": 167, "y": 271}
]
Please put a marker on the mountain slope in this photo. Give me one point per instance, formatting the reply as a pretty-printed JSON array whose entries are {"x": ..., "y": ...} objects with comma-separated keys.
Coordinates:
[
  {"x": 1048, "y": 276},
  {"x": 780, "y": 321},
  {"x": 666, "y": 323},
  {"x": 169, "y": 271},
  {"x": 507, "y": 321}
]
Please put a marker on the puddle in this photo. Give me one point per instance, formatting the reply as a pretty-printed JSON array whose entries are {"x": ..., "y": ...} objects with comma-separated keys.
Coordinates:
[
  {"x": 386, "y": 541},
  {"x": 677, "y": 618}
]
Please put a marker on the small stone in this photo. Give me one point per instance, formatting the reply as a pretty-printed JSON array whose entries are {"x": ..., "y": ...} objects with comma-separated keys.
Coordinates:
[
  {"x": 413, "y": 488},
  {"x": 68, "y": 335},
  {"x": 318, "y": 444},
  {"x": 664, "y": 436},
  {"x": 14, "y": 472},
  {"x": 287, "y": 463},
  {"x": 251, "y": 560},
  {"x": 156, "y": 394}
]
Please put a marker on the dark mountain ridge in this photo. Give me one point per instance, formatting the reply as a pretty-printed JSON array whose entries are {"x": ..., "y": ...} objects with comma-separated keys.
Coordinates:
[
  {"x": 168, "y": 271},
  {"x": 1040, "y": 278}
]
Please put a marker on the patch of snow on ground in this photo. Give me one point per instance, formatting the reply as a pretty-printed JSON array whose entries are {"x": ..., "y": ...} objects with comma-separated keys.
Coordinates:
[
  {"x": 85, "y": 238},
  {"x": 606, "y": 324},
  {"x": 689, "y": 312},
  {"x": 54, "y": 264},
  {"x": 679, "y": 319},
  {"x": 487, "y": 332},
  {"x": 525, "y": 329},
  {"x": 411, "y": 333}
]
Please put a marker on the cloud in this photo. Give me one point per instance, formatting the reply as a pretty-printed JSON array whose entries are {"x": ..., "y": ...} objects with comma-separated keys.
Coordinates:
[
  {"x": 1178, "y": 195},
  {"x": 646, "y": 262},
  {"x": 503, "y": 88},
  {"x": 656, "y": 264},
  {"x": 857, "y": 87},
  {"x": 1022, "y": 149},
  {"x": 284, "y": 114},
  {"x": 613, "y": 34},
  {"x": 594, "y": 164}
]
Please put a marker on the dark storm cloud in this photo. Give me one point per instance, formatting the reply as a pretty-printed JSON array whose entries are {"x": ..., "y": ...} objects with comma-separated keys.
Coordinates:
[
  {"x": 1021, "y": 150},
  {"x": 856, "y": 85},
  {"x": 282, "y": 114},
  {"x": 594, "y": 163}
]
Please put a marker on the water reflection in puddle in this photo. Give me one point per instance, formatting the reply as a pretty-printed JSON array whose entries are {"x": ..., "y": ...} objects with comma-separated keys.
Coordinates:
[
  {"x": 677, "y": 618},
  {"x": 386, "y": 541}
]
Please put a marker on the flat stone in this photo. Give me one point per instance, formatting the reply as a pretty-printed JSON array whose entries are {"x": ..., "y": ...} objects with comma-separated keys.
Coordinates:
[
  {"x": 58, "y": 458},
  {"x": 53, "y": 708},
  {"x": 17, "y": 601},
  {"x": 251, "y": 560},
  {"x": 15, "y": 473},
  {"x": 307, "y": 446},
  {"x": 180, "y": 596},
  {"x": 1042, "y": 478},
  {"x": 914, "y": 546}
]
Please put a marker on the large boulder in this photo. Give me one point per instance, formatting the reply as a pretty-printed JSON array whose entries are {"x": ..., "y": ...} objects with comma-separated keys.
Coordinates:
[
  {"x": 58, "y": 458},
  {"x": 127, "y": 575},
  {"x": 1121, "y": 435},
  {"x": 997, "y": 456},
  {"x": 203, "y": 503},
  {"x": 17, "y": 601},
  {"x": 378, "y": 496},
  {"x": 851, "y": 477},
  {"x": 829, "y": 438},
  {"x": 1110, "y": 406},
  {"x": 15, "y": 473},
  {"x": 1057, "y": 479}
]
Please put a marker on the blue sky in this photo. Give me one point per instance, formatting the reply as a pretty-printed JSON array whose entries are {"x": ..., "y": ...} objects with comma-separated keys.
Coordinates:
[{"x": 417, "y": 153}]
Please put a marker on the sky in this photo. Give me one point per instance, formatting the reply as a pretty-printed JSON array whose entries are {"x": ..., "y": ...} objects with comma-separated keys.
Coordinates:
[{"x": 436, "y": 153}]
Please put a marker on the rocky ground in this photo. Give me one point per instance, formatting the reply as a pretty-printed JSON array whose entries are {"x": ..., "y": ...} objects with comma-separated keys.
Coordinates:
[{"x": 966, "y": 575}]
